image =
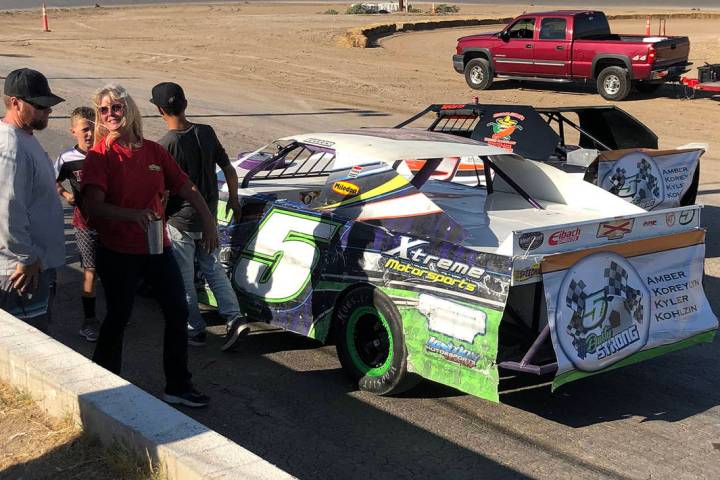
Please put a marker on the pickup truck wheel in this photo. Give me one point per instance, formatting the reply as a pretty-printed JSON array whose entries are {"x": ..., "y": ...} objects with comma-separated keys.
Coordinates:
[
  {"x": 645, "y": 87},
  {"x": 370, "y": 342},
  {"x": 478, "y": 74},
  {"x": 613, "y": 83}
]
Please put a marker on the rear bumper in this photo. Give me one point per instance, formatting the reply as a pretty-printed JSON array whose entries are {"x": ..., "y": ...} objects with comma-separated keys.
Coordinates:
[
  {"x": 668, "y": 74},
  {"x": 458, "y": 63}
]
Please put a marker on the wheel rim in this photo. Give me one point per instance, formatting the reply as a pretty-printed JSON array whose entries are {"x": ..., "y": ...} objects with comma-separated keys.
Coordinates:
[
  {"x": 369, "y": 341},
  {"x": 477, "y": 75},
  {"x": 612, "y": 84}
]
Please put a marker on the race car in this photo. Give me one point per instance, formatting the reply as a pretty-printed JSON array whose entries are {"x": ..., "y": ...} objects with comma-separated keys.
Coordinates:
[
  {"x": 604, "y": 145},
  {"x": 419, "y": 277}
]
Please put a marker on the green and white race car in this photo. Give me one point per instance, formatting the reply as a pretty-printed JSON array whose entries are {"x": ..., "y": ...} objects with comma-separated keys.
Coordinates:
[{"x": 415, "y": 275}]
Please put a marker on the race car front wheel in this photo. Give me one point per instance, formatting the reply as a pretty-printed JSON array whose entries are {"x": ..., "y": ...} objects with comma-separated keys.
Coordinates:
[{"x": 370, "y": 342}]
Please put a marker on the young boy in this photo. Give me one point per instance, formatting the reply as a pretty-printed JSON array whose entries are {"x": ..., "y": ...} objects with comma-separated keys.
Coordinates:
[
  {"x": 198, "y": 151},
  {"x": 68, "y": 166}
]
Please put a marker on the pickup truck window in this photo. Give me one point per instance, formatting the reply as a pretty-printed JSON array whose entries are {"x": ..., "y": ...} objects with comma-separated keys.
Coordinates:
[
  {"x": 523, "y": 29},
  {"x": 553, "y": 29},
  {"x": 591, "y": 25}
]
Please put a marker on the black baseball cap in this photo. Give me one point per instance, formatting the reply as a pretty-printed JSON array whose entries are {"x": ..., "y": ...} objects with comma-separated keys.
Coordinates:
[
  {"x": 30, "y": 85},
  {"x": 168, "y": 94}
]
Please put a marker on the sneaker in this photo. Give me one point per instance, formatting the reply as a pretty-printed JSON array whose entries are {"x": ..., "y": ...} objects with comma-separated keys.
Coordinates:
[
  {"x": 90, "y": 329},
  {"x": 189, "y": 398},
  {"x": 197, "y": 340},
  {"x": 236, "y": 328}
]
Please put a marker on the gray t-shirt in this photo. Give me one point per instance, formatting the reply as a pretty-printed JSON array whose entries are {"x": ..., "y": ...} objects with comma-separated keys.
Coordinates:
[{"x": 31, "y": 216}]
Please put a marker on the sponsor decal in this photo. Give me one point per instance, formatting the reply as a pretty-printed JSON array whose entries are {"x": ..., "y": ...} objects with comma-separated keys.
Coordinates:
[
  {"x": 526, "y": 273},
  {"x": 505, "y": 124},
  {"x": 411, "y": 259},
  {"x": 451, "y": 352},
  {"x": 601, "y": 319},
  {"x": 615, "y": 229},
  {"x": 670, "y": 219},
  {"x": 355, "y": 171},
  {"x": 530, "y": 240},
  {"x": 345, "y": 188},
  {"x": 154, "y": 168},
  {"x": 564, "y": 236},
  {"x": 650, "y": 223},
  {"x": 319, "y": 142},
  {"x": 452, "y": 106},
  {"x": 452, "y": 319},
  {"x": 637, "y": 180},
  {"x": 686, "y": 216}
]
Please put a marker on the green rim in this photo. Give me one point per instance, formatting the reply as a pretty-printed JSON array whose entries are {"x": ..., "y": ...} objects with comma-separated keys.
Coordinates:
[{"x": 369, "y": 341}]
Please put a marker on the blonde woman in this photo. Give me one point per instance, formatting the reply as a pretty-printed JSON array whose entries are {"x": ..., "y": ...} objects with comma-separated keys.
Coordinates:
[{"x": 124, "y": 179}]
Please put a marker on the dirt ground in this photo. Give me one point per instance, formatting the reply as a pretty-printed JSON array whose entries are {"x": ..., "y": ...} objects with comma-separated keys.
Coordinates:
[{"x": 289, "y": 52}]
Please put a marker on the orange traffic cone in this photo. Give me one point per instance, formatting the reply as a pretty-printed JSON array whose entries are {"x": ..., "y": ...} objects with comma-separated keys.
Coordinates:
[
  {"x": 647, "y": 26},
  {"x": 46, "y": 28}
]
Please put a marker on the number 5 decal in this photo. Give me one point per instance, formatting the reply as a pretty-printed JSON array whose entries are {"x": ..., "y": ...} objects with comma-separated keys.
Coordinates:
[{"x": 277, "y": 262}]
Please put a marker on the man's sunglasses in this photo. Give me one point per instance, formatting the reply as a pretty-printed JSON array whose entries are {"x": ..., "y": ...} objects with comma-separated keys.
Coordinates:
[
  {"x": 115, "y": 108},
  {"x": 34, "y": 105}
]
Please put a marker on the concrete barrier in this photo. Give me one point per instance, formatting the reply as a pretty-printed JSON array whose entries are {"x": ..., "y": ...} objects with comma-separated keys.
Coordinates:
[{"x": 64, "y": 382}]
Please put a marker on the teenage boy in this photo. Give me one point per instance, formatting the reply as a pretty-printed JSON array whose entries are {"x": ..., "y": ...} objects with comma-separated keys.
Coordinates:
[
  {"x": 68, "y": 166},
  {"x": 197, "y": 151},
  {"x": 32, "y": 242}
]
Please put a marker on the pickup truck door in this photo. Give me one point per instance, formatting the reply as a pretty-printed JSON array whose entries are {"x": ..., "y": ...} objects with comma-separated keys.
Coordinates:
[
  {"x": 552, "y": 48},
  {"x": 514, "y": 54}
]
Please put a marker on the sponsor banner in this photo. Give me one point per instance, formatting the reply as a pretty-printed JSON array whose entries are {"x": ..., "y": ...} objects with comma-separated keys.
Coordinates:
[
  {"x": 454, "y": 343},
  {"x": 649, "y": 179},
  {"x": 624, "y": 304},
  {"x": 619, "y": 229}
]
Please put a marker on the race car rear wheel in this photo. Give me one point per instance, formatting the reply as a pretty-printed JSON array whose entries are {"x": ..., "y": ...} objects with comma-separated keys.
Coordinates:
[
  {"x": 478, "y": 74},
  {"x": 370, "y": 342}
]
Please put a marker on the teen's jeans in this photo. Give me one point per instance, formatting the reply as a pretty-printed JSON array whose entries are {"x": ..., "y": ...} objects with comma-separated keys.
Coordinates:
[
  {"x": 187, "y": 248},
  {"x": 120, "y": 274}
]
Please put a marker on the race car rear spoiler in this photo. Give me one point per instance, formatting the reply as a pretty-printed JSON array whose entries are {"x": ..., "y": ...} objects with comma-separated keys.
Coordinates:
[{"x": 538, "y": 133}]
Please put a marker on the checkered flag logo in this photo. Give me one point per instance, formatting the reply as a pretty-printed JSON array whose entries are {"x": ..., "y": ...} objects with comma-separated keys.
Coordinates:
[
  {"x": 616, "y": 278},
  {"x": 576, "y": 297},
  {"x": 618, "y": 178},
  {"x": 644, "y": 169},
  {"x": 617, "y": 285}
]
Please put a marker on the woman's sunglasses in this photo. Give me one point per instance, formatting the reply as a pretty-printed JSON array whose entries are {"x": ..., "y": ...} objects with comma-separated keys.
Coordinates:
[{"x": 115, "y": 107}]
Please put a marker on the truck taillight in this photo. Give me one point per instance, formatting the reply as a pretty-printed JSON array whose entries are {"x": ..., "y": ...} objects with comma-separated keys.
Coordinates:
[{"x": 651, "y": 55}]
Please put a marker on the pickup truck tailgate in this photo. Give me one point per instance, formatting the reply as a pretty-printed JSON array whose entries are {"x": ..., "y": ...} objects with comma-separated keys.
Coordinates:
[{"x": 671, "y": 50}]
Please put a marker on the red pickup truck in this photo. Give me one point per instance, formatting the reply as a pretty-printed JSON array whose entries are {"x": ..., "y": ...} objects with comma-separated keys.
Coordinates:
[{"x": 571, "y": 45}]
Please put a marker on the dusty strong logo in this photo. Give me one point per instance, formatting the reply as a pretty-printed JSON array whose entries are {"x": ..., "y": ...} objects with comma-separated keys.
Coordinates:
[
  {"x": 637, "y": 179},
  {"x": 601, "y": 319}
]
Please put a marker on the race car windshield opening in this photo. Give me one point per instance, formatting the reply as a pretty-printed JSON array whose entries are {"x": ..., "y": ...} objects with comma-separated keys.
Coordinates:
[{"x": 291, "y": 160}]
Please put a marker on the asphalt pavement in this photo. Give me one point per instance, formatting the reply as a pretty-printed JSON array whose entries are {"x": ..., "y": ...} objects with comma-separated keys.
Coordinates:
[{"x": 285, "y": 397}]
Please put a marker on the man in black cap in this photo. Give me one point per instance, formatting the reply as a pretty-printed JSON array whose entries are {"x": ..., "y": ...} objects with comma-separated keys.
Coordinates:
[
  {"x": 198, "y": 151},
  {"x": 32, "y": 241}
]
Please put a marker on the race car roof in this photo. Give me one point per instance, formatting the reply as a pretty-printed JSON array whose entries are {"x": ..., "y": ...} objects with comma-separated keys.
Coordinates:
[{"x": 356, "y": 147}]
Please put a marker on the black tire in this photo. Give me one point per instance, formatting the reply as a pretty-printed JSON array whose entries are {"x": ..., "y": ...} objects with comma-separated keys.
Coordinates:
[
  {"x": 613, "y": 83},
  {"x": 370, "y": 342},
  {"x": 645, "y": 87},
  {"x": 478, "y": 74}
]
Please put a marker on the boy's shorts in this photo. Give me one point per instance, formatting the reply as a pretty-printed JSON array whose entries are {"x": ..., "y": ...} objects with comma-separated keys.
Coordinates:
[{"x": 86, "y": 239}]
